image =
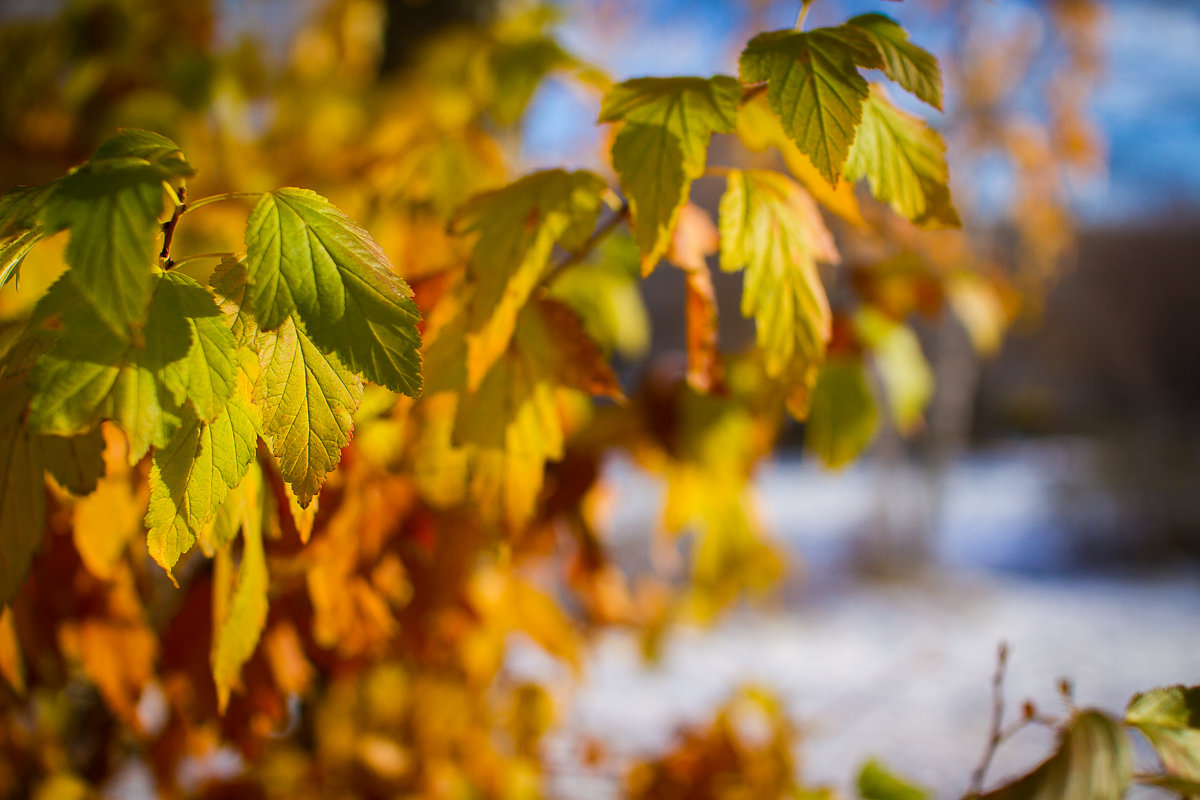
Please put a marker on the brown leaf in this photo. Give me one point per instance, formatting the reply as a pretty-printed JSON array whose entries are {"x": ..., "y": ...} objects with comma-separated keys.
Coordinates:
[{"x": 696, "y": 238}]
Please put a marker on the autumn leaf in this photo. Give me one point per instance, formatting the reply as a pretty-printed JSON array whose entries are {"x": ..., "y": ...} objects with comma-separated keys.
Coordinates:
[
  {"x": 694, "y": 239},
  {"x": 1092, "y": 762},
  {"x": 662, "y": 147},
  {"x": 516, "y": 229},
  {"x": 1170, "y": 718},
  {"x": 904, "y": 163},
  {"x": 22, "y": 501},
  {"x": 771, "y": 228}
]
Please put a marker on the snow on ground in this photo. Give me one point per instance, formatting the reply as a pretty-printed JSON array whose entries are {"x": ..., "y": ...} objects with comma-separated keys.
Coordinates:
[{"x": 898, "y": 669}]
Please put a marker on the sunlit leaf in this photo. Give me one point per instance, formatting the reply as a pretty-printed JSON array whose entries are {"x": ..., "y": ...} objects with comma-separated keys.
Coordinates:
[
  {"x": 108, "y": 519},
  {"x": 1092, "y": 762},
  {"x": 517, "y": 228},
  {"x": 771, "y": 228},
  {"x": 663, "y": 145},
  {"x": 308, "y": 401},
  {"x": 304, "y": 254},
  {"x": 159, "y": 151},
  {"x": 843, "y": 419},
  {"x": 1170, "y": 719},
  {"x": 904, "y": 62},
  {"x": 904, "y": 162},
  {"x": 239, "y": 603},
  {"x": 814, "y": 87}
]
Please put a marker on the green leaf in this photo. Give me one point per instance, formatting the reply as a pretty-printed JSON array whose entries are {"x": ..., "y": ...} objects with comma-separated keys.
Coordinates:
[
  {"x": 153, "y": 148},
  {"x": 239, "y": 603},
  {"x": 663, "y": 146},
  {"x": 90, "y": 374},
  {"x": 843, "y": 419},
  {"x": 517, "y": 227},
  {"x": 206, "y": 374},
  {"x": 308, "y": 400},
  {"x": 913, "y": 67},
  {"x": 1170, "y": 719},
  {"x": 76, "y": 462},
  {"x": 814, "y": 87},
  {"x": 20, "y": 226},
  {"x": 771, "y": 228},
  {"x": 22, "y": 496},
  {"x": 193, "y": 474},
  {"x": 302, "y": 253},
  {"x": 907, "y": 377},
  {"x": 1093, "y": 762},
  {"x": 875, "y": 782},
  {"x": 904, "y": 162},
  {"x": 112, "y": 208}
]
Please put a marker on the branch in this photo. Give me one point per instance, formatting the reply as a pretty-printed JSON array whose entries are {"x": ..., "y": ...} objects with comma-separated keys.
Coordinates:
[
  {"x": 597, "y": 236},
  {"x": 169, "y": 226}
]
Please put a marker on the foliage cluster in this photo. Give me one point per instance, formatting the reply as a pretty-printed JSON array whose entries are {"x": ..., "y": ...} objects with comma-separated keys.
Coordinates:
[{"x": 276, "y": 486}]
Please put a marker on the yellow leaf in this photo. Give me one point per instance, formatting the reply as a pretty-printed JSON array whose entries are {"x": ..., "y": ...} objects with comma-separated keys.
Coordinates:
[
  {"x": 12, "y": 667},
  {"x": 110, "y": 517}
]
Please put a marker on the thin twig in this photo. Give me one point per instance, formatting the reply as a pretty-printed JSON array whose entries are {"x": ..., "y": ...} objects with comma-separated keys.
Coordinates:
[
  {"x": 597, "y": 236},
  {"x": 169, "y": 226},
  {"x": 997, "y": 733}
]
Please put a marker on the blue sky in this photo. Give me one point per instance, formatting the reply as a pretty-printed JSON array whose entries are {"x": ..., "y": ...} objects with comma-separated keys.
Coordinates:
[{"x": 1147, "y": 105}]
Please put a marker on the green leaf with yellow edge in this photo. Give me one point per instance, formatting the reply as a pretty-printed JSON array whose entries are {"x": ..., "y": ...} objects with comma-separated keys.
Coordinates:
[
  {"x": 759, "y": 129},
  {"x": 843, "y": 418},
  {"x": 771, "y": 228},
  {"x": 1092, "y": 762},
  {"x": 906, "y": 374},
  {"x": 20, "y": 225},
  {"x": 904, "y": 162},
  {"x": 814, "y": 87},
  {"x": 239, "y": 600},
  {"x": 22, "y": 496},
  {"x": 13, "y": 250},
  {"x": 153, "y": 148},
  {"x": 76, "y": 462},
  {"x": 191, "y": 477},
  {"x": 112, "y": 208},
  {"x": 90, "y": 374},
  {"x": 663, "y": 146},
  {"x": 516, "y": 228},
  {"x": 1170, "y": 719},
  {"x": 875, "y": 782},
  {"x": 304, "y": 254},
  {"x": 206, "y": 374},
  {"x": 913, "y": 67},
  {"x": 308, "y": 400}
]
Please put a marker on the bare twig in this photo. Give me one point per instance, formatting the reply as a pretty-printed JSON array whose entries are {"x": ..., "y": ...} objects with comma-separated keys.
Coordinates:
[{"x": 997, "y": 732}]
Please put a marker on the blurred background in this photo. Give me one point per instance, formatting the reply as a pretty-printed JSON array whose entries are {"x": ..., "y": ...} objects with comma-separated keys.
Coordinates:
[{"x": 1051, "y": 496}]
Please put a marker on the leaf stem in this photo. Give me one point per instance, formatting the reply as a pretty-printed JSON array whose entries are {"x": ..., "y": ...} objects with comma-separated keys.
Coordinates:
[
  {"x": 217, "y": 198},
  {"x": 202, "y": 256},
  {"x": 597, "y": 236},
  {"x": 803, "y": 14}
]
